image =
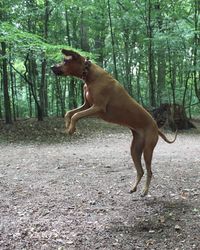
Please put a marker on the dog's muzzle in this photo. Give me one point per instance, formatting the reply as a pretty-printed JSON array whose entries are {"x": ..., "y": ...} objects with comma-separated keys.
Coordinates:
[{"x": 56, "y": 70}]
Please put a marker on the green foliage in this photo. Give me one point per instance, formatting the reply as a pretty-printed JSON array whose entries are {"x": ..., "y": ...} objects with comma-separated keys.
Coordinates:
[
  {"x": 14, "y": 36},
  {"x": 24, "y": 41}
]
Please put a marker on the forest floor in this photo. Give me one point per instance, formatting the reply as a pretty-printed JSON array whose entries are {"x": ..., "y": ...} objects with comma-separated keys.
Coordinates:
[{"x": 61, "y": 192}]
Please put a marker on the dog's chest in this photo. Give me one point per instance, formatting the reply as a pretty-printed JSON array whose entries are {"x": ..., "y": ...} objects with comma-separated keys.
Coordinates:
[{"x": 88, "y": 95}]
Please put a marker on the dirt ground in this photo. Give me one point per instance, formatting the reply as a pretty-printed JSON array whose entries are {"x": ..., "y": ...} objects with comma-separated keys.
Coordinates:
[{"x": 61, "y": 192}]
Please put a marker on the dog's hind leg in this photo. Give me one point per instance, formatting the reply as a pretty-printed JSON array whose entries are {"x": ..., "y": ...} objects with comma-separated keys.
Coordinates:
[
  {"x": 136, "y": 153},
  {"x": 148, "y": 153}
]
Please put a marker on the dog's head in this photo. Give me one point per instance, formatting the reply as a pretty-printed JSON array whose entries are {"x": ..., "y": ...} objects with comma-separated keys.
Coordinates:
[{"x": 72, "y": 65}]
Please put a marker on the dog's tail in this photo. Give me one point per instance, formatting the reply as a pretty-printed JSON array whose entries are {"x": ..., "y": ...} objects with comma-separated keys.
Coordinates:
[{"x": 165, "y": 138}]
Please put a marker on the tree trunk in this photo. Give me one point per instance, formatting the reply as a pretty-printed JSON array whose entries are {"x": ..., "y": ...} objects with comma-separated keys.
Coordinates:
[
  {"x": 8, "y": 116},
  {"x": 84, "y": 46},
  {"x": 151, "y": 63},
  {"x": 12, "y": 83},
  {"x": 67, "y": 28},
  {"x": 43, "y": 84},
  {"x": 60, "y": 96},
  {"x": 112, "y": 41},
  {"x": 30, "y": 101},
  {"x": 185, "y": 89},
  {"x": 43, "y": 88},
  {"x": 84, "y": 34},
  {"x": 196, "y": 46},
  {"x": 172, "y": 74},
  {"x": 30, "y": 77},
  {"x": 100, "y": 32},
  {"x": 16, "y": 96},
  {"x": 128, "y": 85},
  {"x": 72, "y": 94},
  {"x": 13, "y": 93},
  {"x": 161, "y": 73},
  {"x": 173, "y": 79},
  {"x": 1, "y": 90},
  {"x": 139, "y": 95},
  {"x": 190, "y": 102}
]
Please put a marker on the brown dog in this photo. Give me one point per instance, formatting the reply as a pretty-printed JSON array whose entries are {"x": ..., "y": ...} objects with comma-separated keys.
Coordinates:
[{"x": 107, "y": 99}]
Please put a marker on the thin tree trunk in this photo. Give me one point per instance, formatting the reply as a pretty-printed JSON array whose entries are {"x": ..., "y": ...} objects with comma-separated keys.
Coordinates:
[
  {"x": 196, "y": 45},
  {"x": 84, "y": 34},
  {"x": 43, "y": 83},
  {"x": 52, "y": 97},
  {"x": 151, "y": 63},
  {"x": 30, "y": 101},
  {"x": 185, "y": 89},
  {"x": 161, "y": 61},
  {"x": 72, "y": 94},
  {"x": 16, "y": 96},
  {"x": 1, "y": 90},
  {"x": 172, "y": 74},
  {"x": 60, "y": 96},
  {"x": 190, "y": 101},
  {"x": 161, "y": 75},
  {"x": 113, "y": 41},
  {"x": 139, "y": 95},
  {"x": 13, "y": 93},
  {"x": 172, "y": 77},
  {"x": 67, "y": 27},
  {"x": 7, "y": 107},
  {"x": 127, "y": 63},
  {"x": 12, "y": 88},
  {"x": 43, "y": 87}
]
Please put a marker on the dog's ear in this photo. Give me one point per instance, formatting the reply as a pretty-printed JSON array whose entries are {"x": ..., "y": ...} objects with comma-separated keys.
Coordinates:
[{"x": 69, "y": 54}]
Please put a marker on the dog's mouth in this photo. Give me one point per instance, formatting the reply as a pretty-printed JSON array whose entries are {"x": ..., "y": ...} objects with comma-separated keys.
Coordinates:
[{"x": 56, "y": 70}]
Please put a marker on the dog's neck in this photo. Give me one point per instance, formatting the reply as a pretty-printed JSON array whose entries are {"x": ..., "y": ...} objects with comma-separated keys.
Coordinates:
[
  {"x": 86, "y": 69},
  {"x": 92, "y": 73}
]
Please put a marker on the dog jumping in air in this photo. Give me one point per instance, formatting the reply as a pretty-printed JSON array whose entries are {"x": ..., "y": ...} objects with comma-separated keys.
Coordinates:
[{"x": 105, "y": 98}]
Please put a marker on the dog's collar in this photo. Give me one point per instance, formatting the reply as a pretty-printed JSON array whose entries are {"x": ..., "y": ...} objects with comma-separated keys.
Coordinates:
[{"x": 86, "y": 69}]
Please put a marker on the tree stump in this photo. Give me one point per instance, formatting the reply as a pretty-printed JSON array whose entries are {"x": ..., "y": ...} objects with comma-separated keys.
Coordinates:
[{"x": 172, "y": 116}]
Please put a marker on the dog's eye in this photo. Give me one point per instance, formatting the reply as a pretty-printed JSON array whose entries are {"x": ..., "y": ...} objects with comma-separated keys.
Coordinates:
[{"x": 67, "y": 59}]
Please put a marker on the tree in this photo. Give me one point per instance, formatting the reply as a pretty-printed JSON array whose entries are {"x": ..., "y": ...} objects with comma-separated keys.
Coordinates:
[
  {"x": 151, "y": 60},
  {"x": 7, "y": 108},
  {"x": 112, "y": 41},
  {"x": 196, "y": 62}
]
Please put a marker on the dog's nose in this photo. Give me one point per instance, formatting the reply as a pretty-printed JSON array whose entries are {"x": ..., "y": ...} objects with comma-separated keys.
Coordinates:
[
  {"x": 56, "y": 70},
  {"x": 53, "y": 67}
]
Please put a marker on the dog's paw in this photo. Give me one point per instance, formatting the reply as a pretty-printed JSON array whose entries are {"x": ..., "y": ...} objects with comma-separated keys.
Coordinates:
[
  {"x": 133, "y": 190},
  {"x": 144, "y": 193},
  {"x": 71, "y": 130}
]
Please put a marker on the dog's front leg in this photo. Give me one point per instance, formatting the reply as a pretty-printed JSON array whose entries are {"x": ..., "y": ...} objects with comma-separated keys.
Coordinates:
[
  {"x": 92, "y": 111},
  {"x": 70, "y": 113}
]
